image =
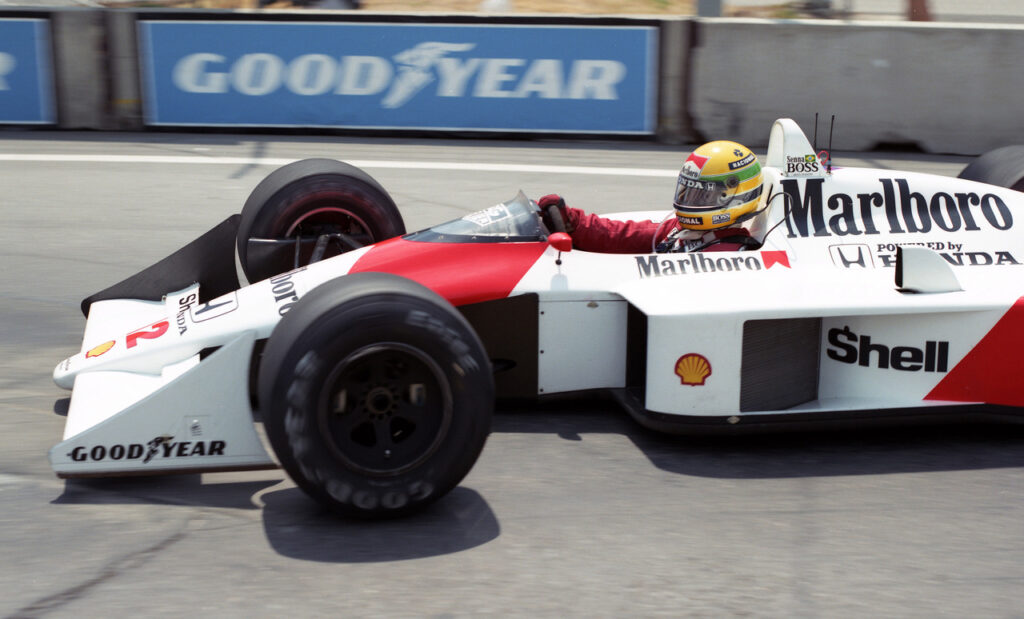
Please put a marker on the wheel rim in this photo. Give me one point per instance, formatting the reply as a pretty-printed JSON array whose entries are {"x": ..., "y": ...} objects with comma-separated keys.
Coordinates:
[
  {"x": 385, "y": 409},
  {"x": 330, "y": 219},
  {"x": 273, "y": 249}
]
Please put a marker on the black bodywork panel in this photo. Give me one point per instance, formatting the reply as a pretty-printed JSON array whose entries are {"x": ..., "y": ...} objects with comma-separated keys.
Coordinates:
[
  {"x": 780, "y": 363},
  {"x": 208, "y": 260},
  {"x": 508, "y": 330}
]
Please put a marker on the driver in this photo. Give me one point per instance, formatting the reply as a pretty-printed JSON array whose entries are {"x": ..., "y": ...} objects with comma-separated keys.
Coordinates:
[{"x": 718, "y": 189}]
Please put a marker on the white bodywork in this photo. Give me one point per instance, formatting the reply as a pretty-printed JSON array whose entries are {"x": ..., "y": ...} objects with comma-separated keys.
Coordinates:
[{"x": 830, "y": 258}]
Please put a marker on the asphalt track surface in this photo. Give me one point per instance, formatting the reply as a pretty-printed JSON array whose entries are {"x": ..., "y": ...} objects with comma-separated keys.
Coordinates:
[{"x": 572, "y": 510}]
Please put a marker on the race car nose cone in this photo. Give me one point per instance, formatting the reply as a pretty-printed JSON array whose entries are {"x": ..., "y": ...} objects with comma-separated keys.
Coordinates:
[{"x": 62, "y": 374}]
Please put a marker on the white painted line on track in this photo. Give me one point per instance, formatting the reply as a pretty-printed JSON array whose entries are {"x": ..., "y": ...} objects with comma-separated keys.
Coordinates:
[{"x": 378, "y": 164}]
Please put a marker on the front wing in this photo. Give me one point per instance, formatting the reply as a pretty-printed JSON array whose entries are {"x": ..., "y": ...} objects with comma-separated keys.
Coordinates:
[{"x": 198, "y": 419}]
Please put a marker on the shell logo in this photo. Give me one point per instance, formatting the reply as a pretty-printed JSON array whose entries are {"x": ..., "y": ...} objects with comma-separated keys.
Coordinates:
[
  {"x": 99, "y": 350},
  {"x": 692, "y": 369}
]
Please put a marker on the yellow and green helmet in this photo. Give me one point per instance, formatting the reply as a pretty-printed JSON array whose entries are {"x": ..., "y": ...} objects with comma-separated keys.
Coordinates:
[{"x": 719, "y": 185}]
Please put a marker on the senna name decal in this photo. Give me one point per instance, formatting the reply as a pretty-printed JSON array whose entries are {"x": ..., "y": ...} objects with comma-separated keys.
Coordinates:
[
  {"x": 904, "y": 211},
  {"x": 694, "y": 263},
  {"x": 802, "y": 166}
]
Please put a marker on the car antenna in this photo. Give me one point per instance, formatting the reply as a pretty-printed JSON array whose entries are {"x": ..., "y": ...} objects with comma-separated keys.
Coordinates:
[
  {"x": 814, "y": 145},
  {"x": 828, "y": 163}
]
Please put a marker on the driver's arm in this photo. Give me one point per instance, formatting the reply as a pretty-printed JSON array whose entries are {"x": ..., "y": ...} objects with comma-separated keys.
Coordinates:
[{"x": 598, "y": 234}]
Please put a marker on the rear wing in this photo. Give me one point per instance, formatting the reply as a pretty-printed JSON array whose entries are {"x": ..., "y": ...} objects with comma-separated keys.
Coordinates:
[{"x": 791, "y": 153}]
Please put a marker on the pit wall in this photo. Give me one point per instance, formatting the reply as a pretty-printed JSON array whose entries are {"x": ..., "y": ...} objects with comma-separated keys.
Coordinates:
[{"x": 945, "y": 89}]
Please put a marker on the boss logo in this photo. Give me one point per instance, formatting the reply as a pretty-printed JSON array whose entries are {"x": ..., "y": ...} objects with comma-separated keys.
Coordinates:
[{"x": 808, "y": 164}]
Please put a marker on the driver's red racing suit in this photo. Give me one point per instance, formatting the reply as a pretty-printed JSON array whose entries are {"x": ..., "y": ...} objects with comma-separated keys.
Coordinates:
[{"x": 598, "y": 234}]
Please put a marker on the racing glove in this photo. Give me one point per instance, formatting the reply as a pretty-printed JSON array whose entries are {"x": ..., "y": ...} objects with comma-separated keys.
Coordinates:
[{"x": 552, "y": 208}]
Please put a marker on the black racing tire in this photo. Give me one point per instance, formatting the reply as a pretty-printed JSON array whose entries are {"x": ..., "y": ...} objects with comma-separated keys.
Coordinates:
[
  {"x": 1003, "y": 167},
  {"x": 376, "y": 395},
  {"x": 312, "y": 197}
]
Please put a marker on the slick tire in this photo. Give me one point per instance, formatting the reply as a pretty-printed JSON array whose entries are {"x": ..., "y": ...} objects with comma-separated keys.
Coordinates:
[
  {"x": 309, "y": 198},
  {"x": 376, "y": 395},
  {"x": 1003, "y": 167}
]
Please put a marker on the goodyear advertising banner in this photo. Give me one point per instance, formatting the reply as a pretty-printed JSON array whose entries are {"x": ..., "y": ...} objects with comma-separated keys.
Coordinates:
[
  {"x": 26, "y": 82},
  {"x": 401, "y": 76}
]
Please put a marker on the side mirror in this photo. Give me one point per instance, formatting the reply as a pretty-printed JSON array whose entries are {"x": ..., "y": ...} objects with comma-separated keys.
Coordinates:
[{"x": 560, "y": 241}]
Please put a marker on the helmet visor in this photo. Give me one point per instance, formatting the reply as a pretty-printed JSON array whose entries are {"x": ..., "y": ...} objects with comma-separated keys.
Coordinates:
[{"x": 692, "y": 193}]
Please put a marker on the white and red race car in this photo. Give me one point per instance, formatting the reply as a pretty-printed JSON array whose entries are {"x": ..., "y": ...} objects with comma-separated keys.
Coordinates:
[{"x": 374, "y": 357}]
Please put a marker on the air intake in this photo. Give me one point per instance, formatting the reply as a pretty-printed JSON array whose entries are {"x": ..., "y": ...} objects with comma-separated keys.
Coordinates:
[{"x": 780, "y": 363}]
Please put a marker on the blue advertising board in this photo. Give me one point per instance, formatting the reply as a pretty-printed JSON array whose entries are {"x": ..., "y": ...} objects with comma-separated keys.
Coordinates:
[
  {"x": 26, "y": 82},
  {"x": 486, "y": 77}
]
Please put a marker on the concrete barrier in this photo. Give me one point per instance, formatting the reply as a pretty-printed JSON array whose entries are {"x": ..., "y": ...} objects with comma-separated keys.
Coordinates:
[
  {"x": 945, "y": 89},
  {"x": 674, "y": 125},
  {"x": 125, "y": 109},
  {"x": 79, "y": 44}
]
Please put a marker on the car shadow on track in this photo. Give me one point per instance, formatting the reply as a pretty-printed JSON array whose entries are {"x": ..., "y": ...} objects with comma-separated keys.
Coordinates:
[
  {"x": 867, "y": 450},
  {"x": 181, "y": 490},
  {"x": 297, "y": 528}
]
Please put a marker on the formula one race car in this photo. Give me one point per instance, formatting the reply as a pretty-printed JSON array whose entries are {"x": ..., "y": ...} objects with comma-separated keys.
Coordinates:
[{"x": 374, "y": 357}]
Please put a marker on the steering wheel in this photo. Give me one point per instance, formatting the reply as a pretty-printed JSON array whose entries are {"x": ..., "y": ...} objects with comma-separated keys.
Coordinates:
[
  {"x": 554, "y": 218},
  {"x": 741, "y": 239}
]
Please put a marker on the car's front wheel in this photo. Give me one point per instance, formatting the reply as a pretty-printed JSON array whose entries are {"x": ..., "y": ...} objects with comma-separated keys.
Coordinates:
[
  {"x": 376, "y": 394},
  {"x": 311, "y": 202}
]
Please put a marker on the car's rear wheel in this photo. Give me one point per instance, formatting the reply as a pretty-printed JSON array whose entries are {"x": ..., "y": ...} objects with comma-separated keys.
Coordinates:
[
  {"x": 311, "y": 201},
  {"x": 1003, "y": 167},
  {"x": 376, "y": 395}
]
